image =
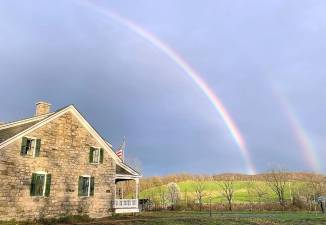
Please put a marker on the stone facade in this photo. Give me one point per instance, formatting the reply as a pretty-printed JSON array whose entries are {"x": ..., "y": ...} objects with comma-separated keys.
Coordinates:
[{"x": 64, "y": 153}]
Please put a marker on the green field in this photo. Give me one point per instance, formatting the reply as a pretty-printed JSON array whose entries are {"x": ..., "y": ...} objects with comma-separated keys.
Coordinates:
[
  {"x": 193, "y": 218},
  {"x": 244, "y": 191}
]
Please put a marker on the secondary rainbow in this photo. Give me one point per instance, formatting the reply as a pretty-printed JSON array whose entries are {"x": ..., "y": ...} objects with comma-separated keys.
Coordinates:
[
  {"x": 192, "y": 74},
  {"x": 308, "y": 152}
]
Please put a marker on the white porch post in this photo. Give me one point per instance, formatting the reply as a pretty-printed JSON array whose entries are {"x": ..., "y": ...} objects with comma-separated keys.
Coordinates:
[
  {"x": 137, "y": 187},
  {"x": 115, "y": 190},
  {"x": 122, "y": 184}
]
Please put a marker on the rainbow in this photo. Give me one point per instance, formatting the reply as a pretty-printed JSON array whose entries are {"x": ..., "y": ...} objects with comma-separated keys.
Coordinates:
[
  {"x": 192, "y": 74},
  {"x": 308, "y": 151}
]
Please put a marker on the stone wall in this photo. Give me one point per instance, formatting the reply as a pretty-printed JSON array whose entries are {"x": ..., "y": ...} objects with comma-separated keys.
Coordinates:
[{"x": 65, "y": 145}]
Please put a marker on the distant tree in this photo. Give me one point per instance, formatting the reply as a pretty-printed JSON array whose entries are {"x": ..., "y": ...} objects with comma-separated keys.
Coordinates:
[
  {"x": 163, "y": 196},
  {"x": 250, "y": 187},
  {"x": 293, "y": 192},
  {"x": 316, "y": 188},
  {"x": 185, "y": 194},
  {"x": 173, "y": 194},
  {"x": 199, "y": 186},
  {"x": 317, "y": 185},
  {"x": 185, "y": 198},
  {"x": 227, "y": 187},
  {"x": 277, "y": 181},
  {"x": 305, "y": 193}
]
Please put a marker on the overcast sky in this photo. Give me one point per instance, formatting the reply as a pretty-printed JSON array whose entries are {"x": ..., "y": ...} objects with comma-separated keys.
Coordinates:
[{"x": 251, "y": 53}]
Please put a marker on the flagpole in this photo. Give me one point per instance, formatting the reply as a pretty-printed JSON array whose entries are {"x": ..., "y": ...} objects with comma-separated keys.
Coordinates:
[{"x": 124, "y": 150}]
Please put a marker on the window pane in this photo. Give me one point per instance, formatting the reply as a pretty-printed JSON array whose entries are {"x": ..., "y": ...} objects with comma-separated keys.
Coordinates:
[
  {"x": 30, "y": 146},
  {"x": 85, "y": 186},
  {"x": 39, "y": 184},
  {"x": 96, "y": 154}
]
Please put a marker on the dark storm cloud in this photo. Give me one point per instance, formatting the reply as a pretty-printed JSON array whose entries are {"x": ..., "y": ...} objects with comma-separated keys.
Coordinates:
[{"x": 66, "y": 53}]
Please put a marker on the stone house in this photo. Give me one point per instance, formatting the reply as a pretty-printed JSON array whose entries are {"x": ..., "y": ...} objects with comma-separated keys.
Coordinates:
[{"x": 56, "y": 164}]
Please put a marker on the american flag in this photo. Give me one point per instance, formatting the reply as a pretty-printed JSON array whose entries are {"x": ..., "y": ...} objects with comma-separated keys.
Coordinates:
[{"x": 120, "y": 151}]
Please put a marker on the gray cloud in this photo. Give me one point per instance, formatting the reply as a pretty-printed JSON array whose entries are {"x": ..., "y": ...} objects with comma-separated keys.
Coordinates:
[{"x": 65, "y": 53}]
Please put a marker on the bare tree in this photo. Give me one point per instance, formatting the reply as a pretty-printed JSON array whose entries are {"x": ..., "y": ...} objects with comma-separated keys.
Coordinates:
[
  {"x": 277, "y": 181},
  {"x": 173, "y": 194},
  {"x": 199, "y": 186},
  {"x": 317, "y": 185},
  {"x": 305, "y": 193},
  {"x": 261, "y": 193},
  {"x": 314, "y": 189},
  {"x": 227, "y": 187}
]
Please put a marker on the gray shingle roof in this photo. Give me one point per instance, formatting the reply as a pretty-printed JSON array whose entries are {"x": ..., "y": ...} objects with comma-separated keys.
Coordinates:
[
  {"x": 122, "y": 171},
  {"x": 11, "y": 131}
]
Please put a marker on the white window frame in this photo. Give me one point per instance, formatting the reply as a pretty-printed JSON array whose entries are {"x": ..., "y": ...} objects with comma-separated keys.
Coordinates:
[
  {"x": 99, "y": 155},
  {"x": 34, "y": 147},
  {"x": 45, "y": 179},
  {"x": 89, "y": 186}
]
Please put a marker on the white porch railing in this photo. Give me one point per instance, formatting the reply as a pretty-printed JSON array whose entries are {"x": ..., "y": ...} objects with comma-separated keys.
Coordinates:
[{"x": 125, "y": 203}]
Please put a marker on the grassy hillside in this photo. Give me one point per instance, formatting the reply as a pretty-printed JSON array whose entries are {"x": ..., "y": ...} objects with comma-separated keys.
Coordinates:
[{"x": 244, "y": 191}]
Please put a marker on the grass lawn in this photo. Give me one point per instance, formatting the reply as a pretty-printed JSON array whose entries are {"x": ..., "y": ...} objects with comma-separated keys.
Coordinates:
[{"x": 197, "y": 218}]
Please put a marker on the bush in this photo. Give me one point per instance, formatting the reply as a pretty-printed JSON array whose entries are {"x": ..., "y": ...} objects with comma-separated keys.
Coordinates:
[{"x": 70, "y": 219}]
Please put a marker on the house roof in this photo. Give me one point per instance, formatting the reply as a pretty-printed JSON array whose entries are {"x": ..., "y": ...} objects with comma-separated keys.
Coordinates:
[
  {"x": 124, "y": 169},
  {"x": 12, "y": 131},
  {"x": 120, "y": 170}
]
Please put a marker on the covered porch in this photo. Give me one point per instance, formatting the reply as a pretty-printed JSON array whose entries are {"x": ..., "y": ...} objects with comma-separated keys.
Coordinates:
[{"x": 126, "y": 190}]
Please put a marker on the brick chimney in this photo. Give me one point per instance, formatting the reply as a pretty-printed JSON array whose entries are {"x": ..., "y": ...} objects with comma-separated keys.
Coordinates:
[{"x": 42, "y": 108}]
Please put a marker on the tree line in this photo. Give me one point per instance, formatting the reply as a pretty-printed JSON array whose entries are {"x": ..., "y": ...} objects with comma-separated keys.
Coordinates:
[{"x": 166, "y": 193}]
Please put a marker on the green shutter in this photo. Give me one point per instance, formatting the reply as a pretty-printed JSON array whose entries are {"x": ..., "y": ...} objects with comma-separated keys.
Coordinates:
[
  {"x": 23, "y": 146},
  {"x": 37, "y": 147},
  {"x": 48, "y": 185},
  {"x": 101, "y": 155},
  {"x": 91, "y": 193},
  {"x": 80, "y": 185},
  {"x": 91, "y": 150},
  {"x": 33, "y": 184}
]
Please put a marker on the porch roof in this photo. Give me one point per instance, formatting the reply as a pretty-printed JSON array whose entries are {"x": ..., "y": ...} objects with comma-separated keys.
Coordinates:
[{"x": 123, "y": 171}]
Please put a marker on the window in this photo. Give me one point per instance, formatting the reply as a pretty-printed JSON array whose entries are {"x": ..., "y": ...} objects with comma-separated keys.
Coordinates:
[
  {"x": 86, "y": 186},
  {"x": 40, "y": 185},
  {"x": 96, "y": 155},
  {"x": 30, "y": 146}
]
